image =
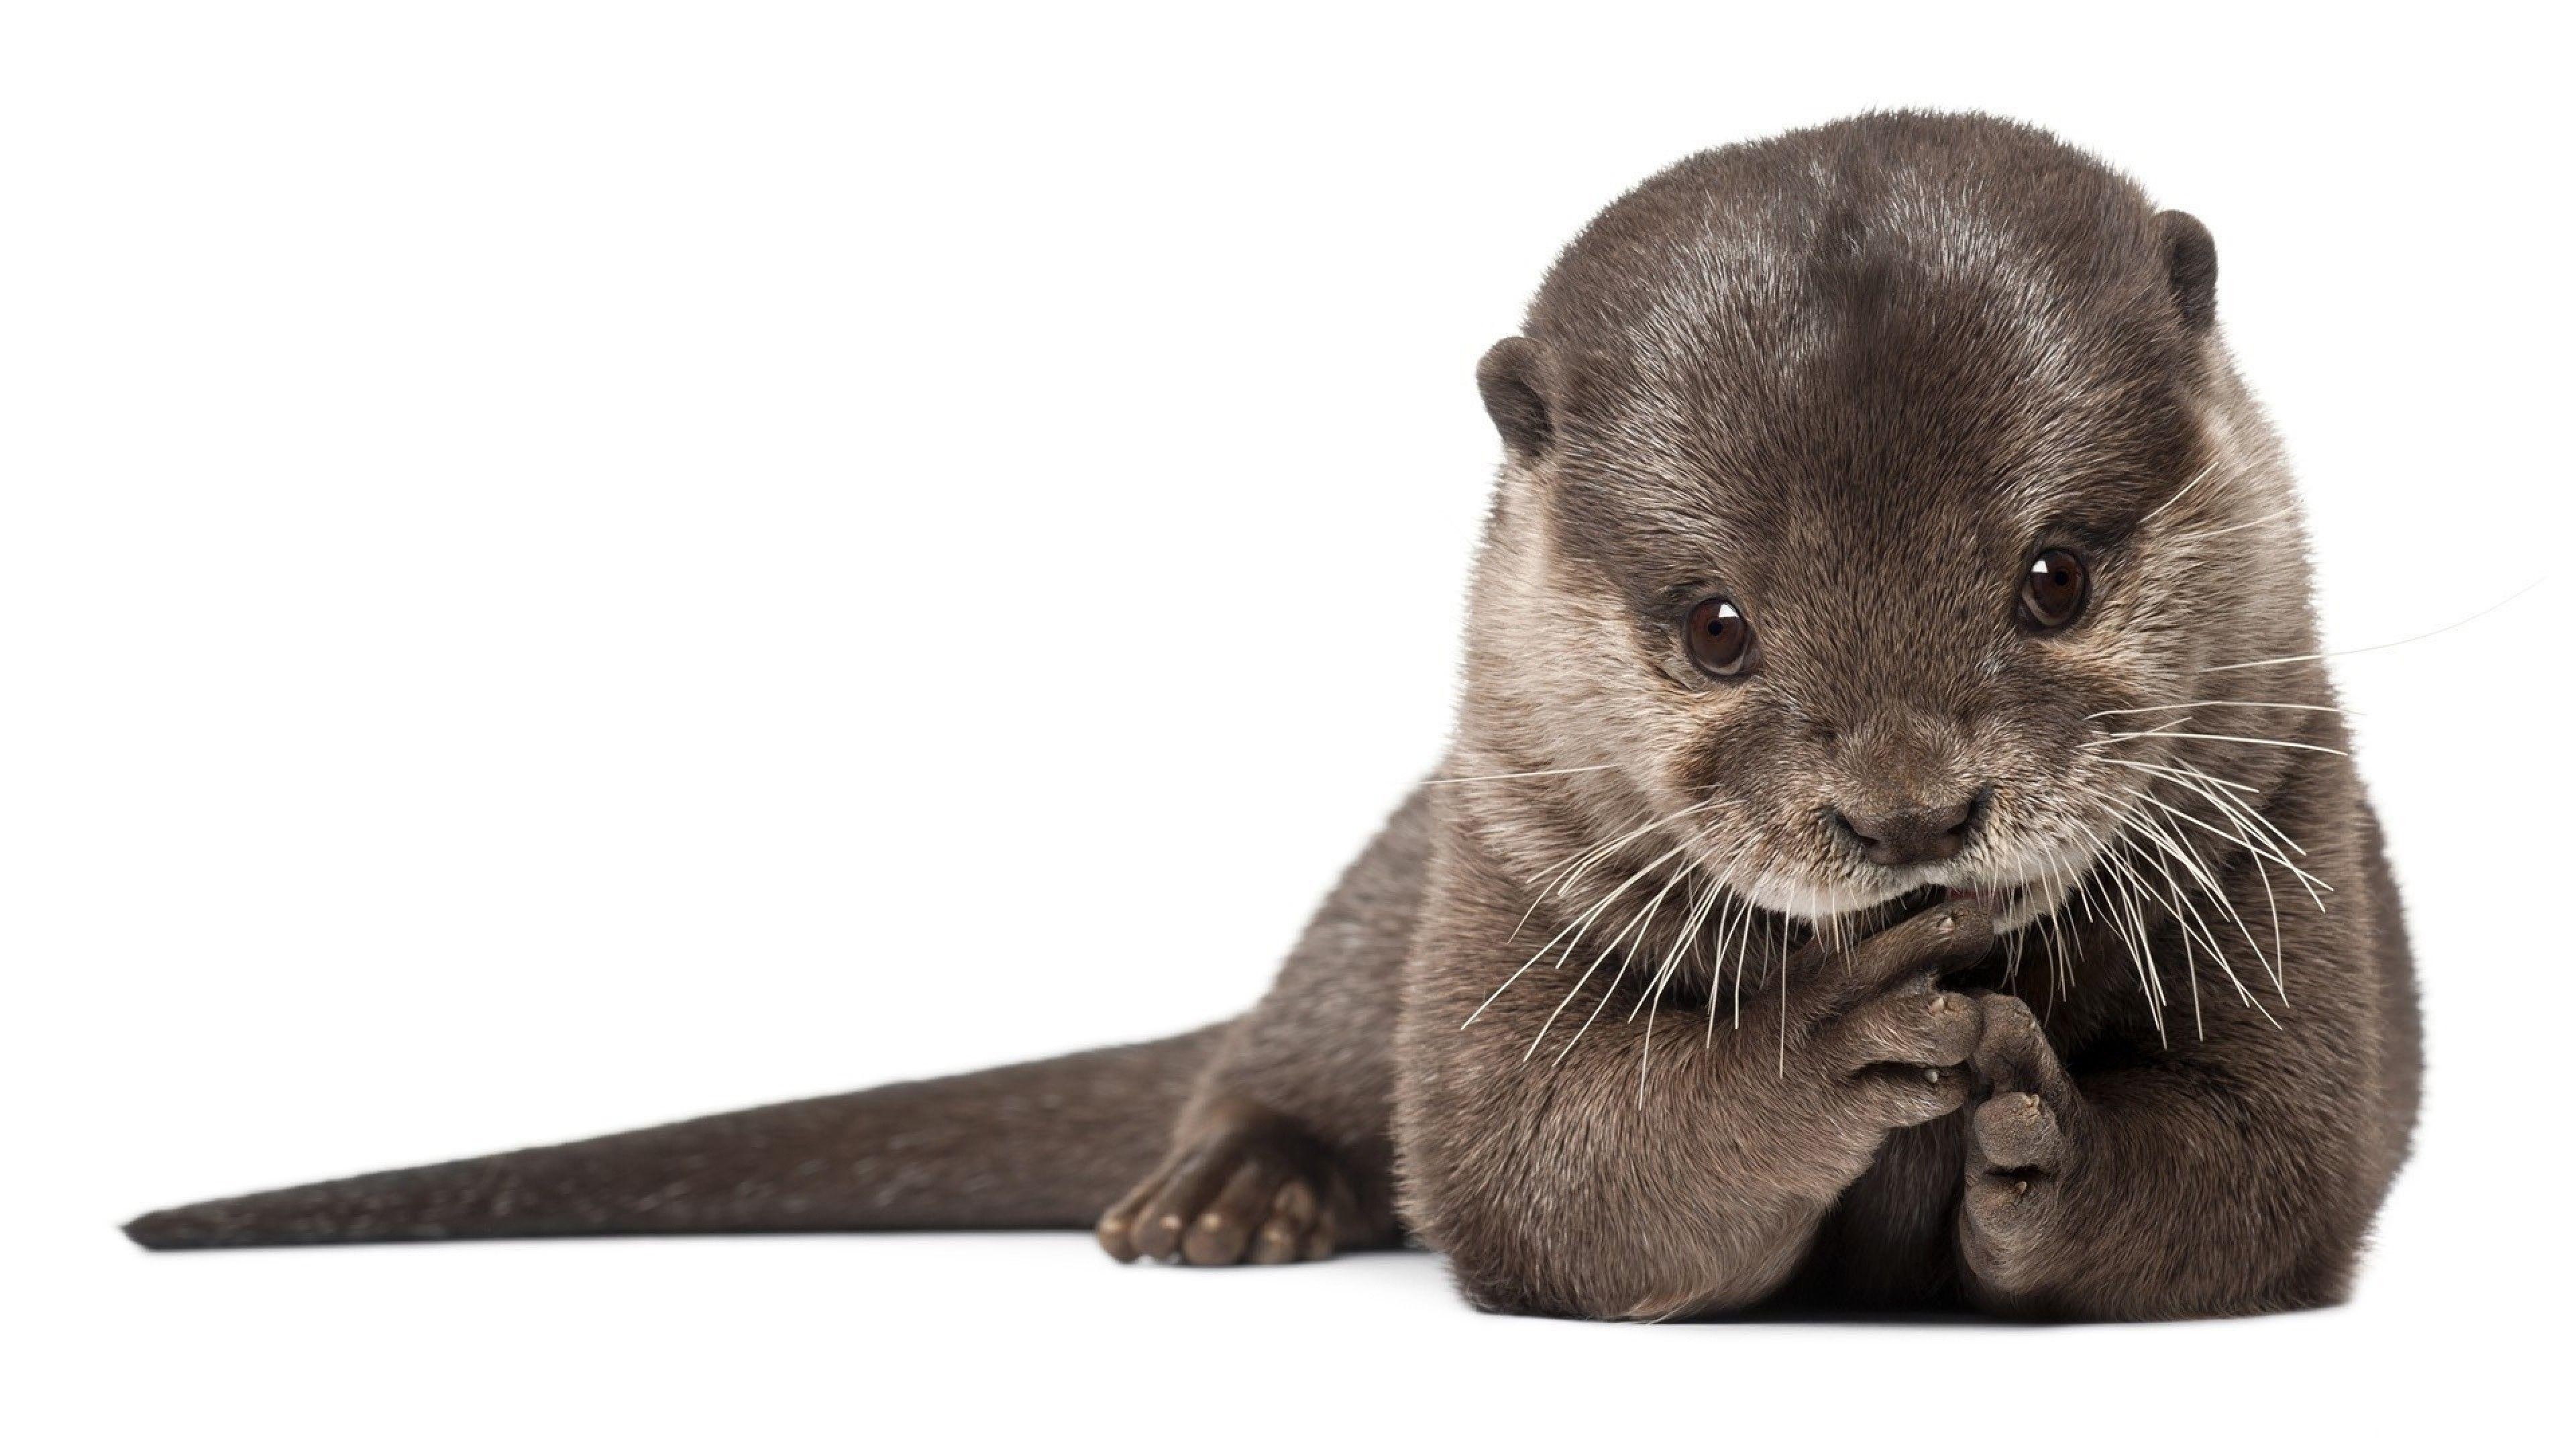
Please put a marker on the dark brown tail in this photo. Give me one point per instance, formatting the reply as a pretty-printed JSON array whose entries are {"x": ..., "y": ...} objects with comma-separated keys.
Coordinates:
[{"x": 1041, "y": 1145}]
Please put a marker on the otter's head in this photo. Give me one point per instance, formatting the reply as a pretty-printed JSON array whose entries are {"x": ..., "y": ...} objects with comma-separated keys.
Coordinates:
[{"x": 1861, "y": 486}]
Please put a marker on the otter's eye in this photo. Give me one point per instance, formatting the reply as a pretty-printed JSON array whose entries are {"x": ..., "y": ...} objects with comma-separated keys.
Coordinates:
[
  {"x": 2053, "y": 590},
  {"x": 1720, "y": 638}
]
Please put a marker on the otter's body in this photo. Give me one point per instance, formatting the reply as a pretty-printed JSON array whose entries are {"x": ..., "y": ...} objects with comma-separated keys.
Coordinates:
[{"x": 1804, "y": 914}]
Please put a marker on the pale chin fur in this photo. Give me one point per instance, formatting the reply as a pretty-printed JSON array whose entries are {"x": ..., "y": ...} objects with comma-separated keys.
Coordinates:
[{"x": 2031, "y": 887}]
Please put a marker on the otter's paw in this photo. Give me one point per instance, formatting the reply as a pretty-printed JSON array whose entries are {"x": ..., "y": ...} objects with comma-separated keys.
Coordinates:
[
  {"x": 1894, "y": 1044},
  {"x": 1262, "y": 1193},
  {"x": 2024, "y": 1141}
]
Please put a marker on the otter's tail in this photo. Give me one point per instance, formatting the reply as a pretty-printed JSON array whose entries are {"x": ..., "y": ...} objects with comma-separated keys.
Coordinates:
[{"x": 1040, "y": 1145}]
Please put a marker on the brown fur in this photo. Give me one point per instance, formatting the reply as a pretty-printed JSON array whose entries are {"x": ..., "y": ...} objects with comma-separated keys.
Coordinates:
[{"x": 1851, "y": 378}]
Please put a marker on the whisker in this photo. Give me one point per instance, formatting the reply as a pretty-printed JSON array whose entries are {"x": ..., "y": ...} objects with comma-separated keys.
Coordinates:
[
  {"x": 1691, "y": 919},
  {"x": 1743, "y": 934},
  {"x": 1655, "y": 982},
  {"x": 1584, "y": 861},
  {"x": 1520, "y": 775},
  {"x": 2192, "y": 861},
  {"x": 2180, "y": 493},
  {"x": 1637, "y": 924},
  {"x": 1683, "y": 939},
  {"x": 1783, "y": 1068},
  {"x": 2256, "y": 848},
  {"x": 2179, "y": 904},
  {"x": 2226, "y": 739},
  {"x": 2391, "y": 644},
  {"x": 1551, "y": 877},
  {"x": 2240, "y": 812},
  {"x": 2195, "y": 932},
  {"x": 1582, "y": 923},
  {"x": 2116, "y": 875},
  {"x": 2216, "y": 703},
  {"x": 2201, "y": 535},
  {"x": 2167, "y": 727}
]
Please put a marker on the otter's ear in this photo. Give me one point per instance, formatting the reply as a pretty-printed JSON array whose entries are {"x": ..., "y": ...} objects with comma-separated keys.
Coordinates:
[
  {"x": 1518, "y": 396},
  {"x": 2191, "y": 268}
]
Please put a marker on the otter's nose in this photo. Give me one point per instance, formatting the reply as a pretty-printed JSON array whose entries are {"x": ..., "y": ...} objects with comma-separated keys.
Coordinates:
[{"x": 1914, "y": 833}]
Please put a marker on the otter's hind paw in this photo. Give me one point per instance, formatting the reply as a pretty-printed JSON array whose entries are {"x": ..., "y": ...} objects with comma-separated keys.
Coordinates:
[{"x": 1254, "y": 1193}]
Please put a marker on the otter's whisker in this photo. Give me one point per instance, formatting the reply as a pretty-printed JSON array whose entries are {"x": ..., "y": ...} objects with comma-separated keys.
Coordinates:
[
  {"x": 1688, "y": 843},
  {"x": 1664, "y": 975},
  {"x": 2263, "y": 874},
  {"x": 2062, "y": 982},
  {"x": 1743, "y": 934},
  {"x": 1575, "y": 928},
  {"x": 2116, "y": 875},
  {"x": 1590, "y": 858},
  {"x": 1783, "y": 969},
  {"x": 1520, "y": 775},
  {"x": 2244, "y": 811},
  {"x": 2204, "y": 784},
  {"x": 2215, "y": 704},
  {"x": 2272, "y": 905},
  {"x": 1556, "y": 874},
  {"x": 2191, "y": 860},
  {"x": 2181, "y": 493},
  {"x": 1692, "y": 916},
  {"x": 1571, "y": 992},
  {"x": 1691, "y": 922},
  {"x": 1651, "y": 906},
  {"x": 2166, "y": 728},
  {"x": 2054, "y": 948},
  {"x": 1688, "y": 933},
  {"x": 2192, "y": 771},
  {"x": 2069, "y": 880},
  {"x": 1637, "y": 925},
  {"x": 2188, "y": 916},
  {"x": 2110, "y": 740},
  {"x": 2375, "y": 648},
  {"x": 2245, "y": 817},
  {"x": 1646, "y": 1051},
  {"x": 2202, "y": 535},
  {"x": 2145, "y": 893},
  {"x": 2241, "y": 837},
  {"x": 1654, "y": 1003}
]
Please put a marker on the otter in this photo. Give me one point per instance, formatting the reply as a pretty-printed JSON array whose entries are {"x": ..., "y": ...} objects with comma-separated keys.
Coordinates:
[{"x": 1899, "y": 847}]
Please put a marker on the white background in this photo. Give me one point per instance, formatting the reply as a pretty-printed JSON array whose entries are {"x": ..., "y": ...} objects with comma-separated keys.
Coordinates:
[{"x": 566, "y": 567}]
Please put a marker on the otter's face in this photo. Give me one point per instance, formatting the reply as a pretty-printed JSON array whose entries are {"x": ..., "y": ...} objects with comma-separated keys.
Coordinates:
[{"x": 1842, "y": 593}]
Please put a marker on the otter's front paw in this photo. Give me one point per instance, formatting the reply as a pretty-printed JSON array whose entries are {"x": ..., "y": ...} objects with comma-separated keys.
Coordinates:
[
  {"x": 1251, "y": 1191},
  {"x": 2025, "y": 1142}
]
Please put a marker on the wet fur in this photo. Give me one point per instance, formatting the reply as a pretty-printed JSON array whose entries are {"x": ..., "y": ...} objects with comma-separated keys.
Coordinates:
[{"x": 1850, "y": 377}]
